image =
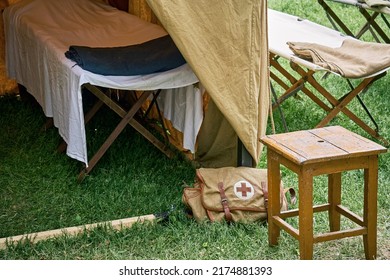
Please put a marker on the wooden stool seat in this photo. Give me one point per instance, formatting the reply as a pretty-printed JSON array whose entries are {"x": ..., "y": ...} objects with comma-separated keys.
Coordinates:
[{"x": 328, "y": 150}]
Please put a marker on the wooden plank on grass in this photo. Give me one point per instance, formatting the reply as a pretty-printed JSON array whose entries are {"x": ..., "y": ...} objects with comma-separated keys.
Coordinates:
[{"x": 44, "y": 235}]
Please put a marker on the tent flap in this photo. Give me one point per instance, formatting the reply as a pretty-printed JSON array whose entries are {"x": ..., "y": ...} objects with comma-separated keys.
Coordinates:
[{"x": 225, "y": 43}]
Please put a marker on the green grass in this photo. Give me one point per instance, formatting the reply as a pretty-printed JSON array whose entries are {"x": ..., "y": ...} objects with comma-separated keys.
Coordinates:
[{"x": 39, "y": 190}]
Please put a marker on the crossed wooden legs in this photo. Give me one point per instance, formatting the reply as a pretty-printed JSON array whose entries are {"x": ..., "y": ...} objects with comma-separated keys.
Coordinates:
[
  {"x": 127, "y": 118},
  {"x": 336, "y": 105},
  {"x": 371, "y": 25}
]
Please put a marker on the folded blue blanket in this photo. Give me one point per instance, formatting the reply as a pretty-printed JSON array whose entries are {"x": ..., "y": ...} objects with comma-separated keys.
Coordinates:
[{"x": 153, "y": 56}]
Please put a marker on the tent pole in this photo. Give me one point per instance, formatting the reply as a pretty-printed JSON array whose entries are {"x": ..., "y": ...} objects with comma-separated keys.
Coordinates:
[{"x": 243, "y": 156}]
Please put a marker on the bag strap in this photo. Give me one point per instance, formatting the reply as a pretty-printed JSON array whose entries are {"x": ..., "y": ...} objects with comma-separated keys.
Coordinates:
[
  {"x": 291, "y": 191},
  {"x": 224, "y": 202},
  {"x": 293, "y": 195}
]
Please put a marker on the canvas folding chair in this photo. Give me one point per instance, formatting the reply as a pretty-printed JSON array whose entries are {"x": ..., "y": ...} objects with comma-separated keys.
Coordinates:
[
  {"x": 374, "y": 16},
  {"x": 285, "y": 28}
]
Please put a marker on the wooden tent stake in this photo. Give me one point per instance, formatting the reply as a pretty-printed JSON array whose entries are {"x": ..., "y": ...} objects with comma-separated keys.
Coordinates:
[{"x": 44, "y": 235}]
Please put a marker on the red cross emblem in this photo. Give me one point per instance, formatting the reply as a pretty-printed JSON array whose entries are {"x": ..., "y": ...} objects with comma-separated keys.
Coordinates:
[{"x": 244, "y": 190}]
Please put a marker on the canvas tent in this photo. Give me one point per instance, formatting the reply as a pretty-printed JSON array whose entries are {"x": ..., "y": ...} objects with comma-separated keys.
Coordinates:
[{"x": 225, "y": 43}]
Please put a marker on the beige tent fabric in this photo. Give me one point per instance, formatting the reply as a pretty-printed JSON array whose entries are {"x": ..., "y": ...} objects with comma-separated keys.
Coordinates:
[
  {"x": 217, "y": 140},
  {"x": 354, "y": 59},
  {"x": 225, "y": 42}
]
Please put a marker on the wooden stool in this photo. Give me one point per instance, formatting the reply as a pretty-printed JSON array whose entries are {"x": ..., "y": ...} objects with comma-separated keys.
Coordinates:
[{"x": 328, "y": 150}]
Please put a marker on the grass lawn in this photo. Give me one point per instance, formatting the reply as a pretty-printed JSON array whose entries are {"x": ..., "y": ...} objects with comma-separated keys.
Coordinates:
[{"x": 39, "y": 190}]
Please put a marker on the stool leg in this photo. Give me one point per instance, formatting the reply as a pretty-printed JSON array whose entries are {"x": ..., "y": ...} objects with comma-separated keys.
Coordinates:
[
  {"x": 334, "y": 199},
  {"x": 370, "y": 207},
  {"x": 273, "y": 196},
  {"x": 305, "y": 183}
]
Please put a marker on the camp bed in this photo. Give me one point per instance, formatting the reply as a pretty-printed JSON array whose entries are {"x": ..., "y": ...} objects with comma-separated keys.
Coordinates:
[
  {"x": 39, "y": 33},
  {"x": 375, "y": 18},
  {"x": 284, "y": 28}
]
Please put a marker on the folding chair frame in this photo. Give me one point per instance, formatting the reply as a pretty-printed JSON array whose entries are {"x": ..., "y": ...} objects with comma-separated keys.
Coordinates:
[
  {"x": 370, "y": 25},
  {"x": 336, "y": 105}
]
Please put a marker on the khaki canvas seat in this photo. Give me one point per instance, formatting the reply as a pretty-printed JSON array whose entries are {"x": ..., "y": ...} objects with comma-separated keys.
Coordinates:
[{"x": 327, "y": 51}]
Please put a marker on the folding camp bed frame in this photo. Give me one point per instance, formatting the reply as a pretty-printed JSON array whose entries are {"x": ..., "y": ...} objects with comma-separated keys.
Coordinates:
[
  {"x": 104, "y": 97},
  {"x": 127, "y": 118},
  {"x": 300, "y": 30},
  {"x": 35, "y": 58},
  {"x": 370, "y": 14}
]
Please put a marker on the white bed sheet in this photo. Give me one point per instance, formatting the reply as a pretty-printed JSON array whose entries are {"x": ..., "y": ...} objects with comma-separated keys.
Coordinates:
[
  {"x": 177, "y": 106},
  {"x": 39, "y": 32}
]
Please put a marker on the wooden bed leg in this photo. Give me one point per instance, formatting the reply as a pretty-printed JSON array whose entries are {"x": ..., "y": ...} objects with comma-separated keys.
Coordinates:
[
  {"x": 47, "y": 125},
  {"x": 118, "y": 129},
  {"x": 62, "y": 147},
  {"x": 82, "y": 175}
]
